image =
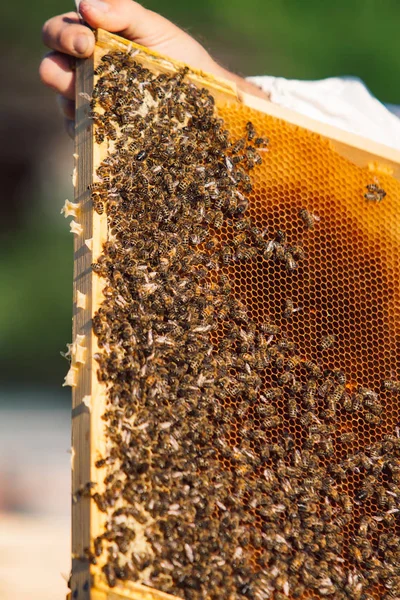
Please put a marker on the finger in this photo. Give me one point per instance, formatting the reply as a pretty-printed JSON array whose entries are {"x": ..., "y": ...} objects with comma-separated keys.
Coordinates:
[
  {"x": 66, "y": 107},
  {"x": 65, "y": 33},
  {"x": 129, "y": 19},
  {"x": 55, "y": 72}
]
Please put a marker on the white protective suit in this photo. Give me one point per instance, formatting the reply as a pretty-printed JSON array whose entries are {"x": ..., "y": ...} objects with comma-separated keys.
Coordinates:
[{"x": 344, "y": 102}]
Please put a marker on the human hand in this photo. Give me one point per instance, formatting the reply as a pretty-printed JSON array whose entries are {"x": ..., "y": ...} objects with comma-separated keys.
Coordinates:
[{"x": 67, "y": 38}]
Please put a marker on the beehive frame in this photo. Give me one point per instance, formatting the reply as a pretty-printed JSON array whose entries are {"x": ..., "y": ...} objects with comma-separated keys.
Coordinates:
[{"x": 88, "y": 395}]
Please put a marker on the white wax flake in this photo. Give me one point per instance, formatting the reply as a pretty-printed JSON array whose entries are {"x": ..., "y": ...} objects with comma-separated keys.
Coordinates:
[
  {"x": 72, "y": 453},
  {"x": 68, "y": 353},
  {"x": 79, "y": 338},
  {"x": 80, "y": 300},
  {"x": 87, "y": 401},
  {"x": 286, "y": 588},
  {"x": 74, "y": 176},
  {"x": 75, "y": 228},
  {"x": 189, "y": 553},
  {"x": 130, "y": 49},
  {"x": 142, "y": 426},
  {"x": 202, "y": 329},
  {"x": 71, "y": 377},
  {"x": 148, "y": 288},
  {"x": 70, "y": 209},
  {"x": 80, "y": 354},
  {"x": 75, "y": 156},
  {"x": 173, "y": 442},
  {"x": 89, "y": 243}
]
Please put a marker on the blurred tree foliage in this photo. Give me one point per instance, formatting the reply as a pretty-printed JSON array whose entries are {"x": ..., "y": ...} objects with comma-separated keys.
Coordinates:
[
  {"x": 35, "y": 305},
  {"x": 307, "y": 40}
]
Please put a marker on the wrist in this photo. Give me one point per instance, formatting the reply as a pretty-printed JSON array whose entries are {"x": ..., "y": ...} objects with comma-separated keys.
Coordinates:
[{"x": 241, "y": 83}]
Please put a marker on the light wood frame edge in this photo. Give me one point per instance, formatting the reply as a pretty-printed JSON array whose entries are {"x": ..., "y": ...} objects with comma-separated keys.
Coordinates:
[{"x": 87, "y": 580}]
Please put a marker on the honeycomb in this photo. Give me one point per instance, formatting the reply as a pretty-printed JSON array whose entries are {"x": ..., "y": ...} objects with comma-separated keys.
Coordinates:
[{"x": 290, "y": 487}]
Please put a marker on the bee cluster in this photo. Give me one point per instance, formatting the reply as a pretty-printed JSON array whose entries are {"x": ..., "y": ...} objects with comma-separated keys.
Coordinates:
[{"x": 190, "y": 509}]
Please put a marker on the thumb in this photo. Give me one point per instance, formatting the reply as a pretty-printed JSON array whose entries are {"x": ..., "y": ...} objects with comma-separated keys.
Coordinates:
[{"x": 130, "y": 20}]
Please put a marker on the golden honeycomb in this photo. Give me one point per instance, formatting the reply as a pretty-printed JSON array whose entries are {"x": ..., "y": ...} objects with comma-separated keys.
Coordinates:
[
  {"x": 347, "y": 284},
  {"x": 334, "y": 308}
]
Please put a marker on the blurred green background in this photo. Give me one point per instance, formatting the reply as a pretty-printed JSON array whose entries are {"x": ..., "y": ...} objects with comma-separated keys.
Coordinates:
[{"x": 290, "y": 38}]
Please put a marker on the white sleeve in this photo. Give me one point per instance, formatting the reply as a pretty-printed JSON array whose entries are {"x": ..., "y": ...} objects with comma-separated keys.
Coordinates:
[{"x": 343, "y": 102}]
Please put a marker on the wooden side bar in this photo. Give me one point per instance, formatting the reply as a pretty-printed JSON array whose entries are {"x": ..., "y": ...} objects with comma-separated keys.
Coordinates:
[{"x": 81, "y": 373}]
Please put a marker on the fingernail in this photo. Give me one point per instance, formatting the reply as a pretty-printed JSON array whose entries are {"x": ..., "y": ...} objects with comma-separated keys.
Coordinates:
[
  {"x": 97, "y": 4},
  {"x": 81, "y": 44}
]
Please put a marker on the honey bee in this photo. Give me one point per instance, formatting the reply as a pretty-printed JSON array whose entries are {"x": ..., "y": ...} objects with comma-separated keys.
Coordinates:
[
  {"x": 291, "y": 264},
  {"x": 245, "y": 252},
  {"x": 373, "y": 405},
  {"x": 325, "y": 447},
  {"x": 242, "y": 206},
  {"x": 290, "y": 309},
  {"x": 367, "y": 488},
  {"x": 251, "y": 132},
  {"x": 347, "y": 503},
  {"x": 111, "y": 132},
  {"x": 308, "y": 218},
  {"x": 96, "y": 186},
  {"x": 237, "y": 159},
  {"x": 310, "y": 393},
  {"x": 327, "y": 341},
  {"x": 270, "y": 329},
  {"x": 110, "y": 575},
  {"x": 347, "y": 437},
  {"x": 374, "y": 193},
  {"x": 355, "y": 553},
  {"x": 293, "y": 362},
  {"x": 391, "y": 386},
  {"x": 325, "y": 387},
  {"x": 98, "y": 546},
  {"x": 253, "y": 158},
  {"x": 242, "y": 224},
  {"x": 261, "y": 142},
  {"x": 357, "y": 402},
  {"x": 372, "y": 419},
  {"x": 101, "y": 69},
  {"x": 335, "y": 395},
  {"x": 292, "y": 408},
  {"x": 314, "y": 370},
  {"x": 218, "y": 220},
  {"x": 98, "y": 205},
  {"x": 238, "y": 146},
  {"x": 226, "y": 255},
  {"x": 222, "y": 137},
  {"x": 272, "y": 394},
  {"x": 272, "y": 422},
  {"x": 269, "y": 249}
]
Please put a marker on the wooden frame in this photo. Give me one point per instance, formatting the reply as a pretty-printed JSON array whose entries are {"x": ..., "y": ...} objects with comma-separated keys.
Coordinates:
[{"x": 87, "y": 582}]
